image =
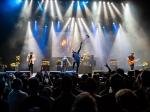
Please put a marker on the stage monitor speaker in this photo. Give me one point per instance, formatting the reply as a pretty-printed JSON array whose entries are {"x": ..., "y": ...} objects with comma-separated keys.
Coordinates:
[
  {"x": 100, "y": 72},
  {"x": 13, "y": 72},
  {"x": 55, "y": 73},
  {"x": 70, "y": 72}
]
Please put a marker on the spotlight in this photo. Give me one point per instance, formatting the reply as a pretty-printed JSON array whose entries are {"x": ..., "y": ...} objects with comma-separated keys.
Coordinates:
[
  {"x": 45, "y": 26},
  {"x": 29, "y": 22},
  {"x": 86, "y": 2},
  {"x": 103, "y": 27},
  {"x": 35, "y": 21},
  {"x": 107, "y": 2},
  {"x": 113, "y": 23},
  {"x": 103, "y": 2}
]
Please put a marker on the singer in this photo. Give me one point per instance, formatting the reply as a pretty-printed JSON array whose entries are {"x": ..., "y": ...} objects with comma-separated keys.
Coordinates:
[{"x": 76, "y": 57}]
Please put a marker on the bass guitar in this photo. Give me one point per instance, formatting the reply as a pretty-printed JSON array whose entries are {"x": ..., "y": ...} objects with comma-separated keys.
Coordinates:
[{"x": 131, "y": 62}]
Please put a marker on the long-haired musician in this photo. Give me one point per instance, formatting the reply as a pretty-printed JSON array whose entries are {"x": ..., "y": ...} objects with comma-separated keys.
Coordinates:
[{"x": 30, "y": 60}]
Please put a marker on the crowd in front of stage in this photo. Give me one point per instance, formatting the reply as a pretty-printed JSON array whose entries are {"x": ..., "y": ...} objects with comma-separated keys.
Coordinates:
[{"x": 115, "y": 91}]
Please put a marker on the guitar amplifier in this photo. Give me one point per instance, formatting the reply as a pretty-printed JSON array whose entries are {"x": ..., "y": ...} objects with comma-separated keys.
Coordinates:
[
  {"x": 45, "y": 65},
  {"x": 113, "y": 64}
]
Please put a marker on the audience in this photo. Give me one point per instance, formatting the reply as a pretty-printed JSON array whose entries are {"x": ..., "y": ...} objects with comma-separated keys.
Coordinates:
[
  {"x": 84, "y": 102},
  {"x": 4, "y": 105},
  {"x": 108, "y": 101},
  {"x": 113, "y": 91},
  {"x": 75, "y": 91},
  {"x": 35, "y": 100},
  {"x": 16, "y": 96},
  {"x": 64, "y": 102},
  {"x": 142, "y": 91},
  {"x": 47, "y": 92}
]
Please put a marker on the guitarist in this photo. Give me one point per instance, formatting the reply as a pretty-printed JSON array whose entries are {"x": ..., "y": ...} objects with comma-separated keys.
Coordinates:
[
  {"x": 64, "y": 64},
  {"x": 131, "y": 59},
  {"x": 76, "y": 57},
  {"x": 30, "y": 60}
]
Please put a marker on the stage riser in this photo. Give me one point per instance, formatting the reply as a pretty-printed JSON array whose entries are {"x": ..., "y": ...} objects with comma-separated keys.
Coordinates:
[{"x": 82, "y": 69}]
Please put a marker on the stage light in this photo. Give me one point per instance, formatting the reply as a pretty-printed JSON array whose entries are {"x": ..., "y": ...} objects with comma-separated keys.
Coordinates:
[
  {"x": 117, "y": 10},
  {"x": 29, "y": 22},
  {"x": 35, "y": 21},
  {"x": 86, "y": 2},
  {"x": 103, "y": 27},
  {"x": 58, "y": 12},
  {"x": 113, "y": 23},
  {"x": 107, "y": 2},
  {"x": 45, "y": 26}
]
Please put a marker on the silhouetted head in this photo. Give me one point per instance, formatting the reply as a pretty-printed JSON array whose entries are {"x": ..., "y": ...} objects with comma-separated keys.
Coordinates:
[
  {"x": 34, "y": 84},
  {"x": 120, "y": 71},
  {"x": 74, "y": 79},
  {"x": 17, "y": 84},
  {"x": 117, "y": 82},
  {"x": 128, "y": 100},
  {"x": 66, "y": 83},
  {"x": 84, "y": 102},
  {"x": 47, "y": 92},
  {"x": 91, "y": 85}
]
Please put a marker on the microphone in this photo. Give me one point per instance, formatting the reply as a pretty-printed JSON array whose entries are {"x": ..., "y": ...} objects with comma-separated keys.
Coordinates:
[{"x": 87, "y": 36}]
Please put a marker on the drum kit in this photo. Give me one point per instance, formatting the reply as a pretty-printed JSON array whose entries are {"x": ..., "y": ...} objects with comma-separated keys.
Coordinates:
[{"x": 85, "y": 59}]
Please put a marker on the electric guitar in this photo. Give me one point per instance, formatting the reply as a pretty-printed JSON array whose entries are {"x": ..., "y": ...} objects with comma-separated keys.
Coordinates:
[
  {"x": 30, "y": 60},
  {"x": 131, "y": 62}
]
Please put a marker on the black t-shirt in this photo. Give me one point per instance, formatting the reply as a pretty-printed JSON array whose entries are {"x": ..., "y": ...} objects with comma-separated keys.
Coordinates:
[{"x": 131, "y": 57}]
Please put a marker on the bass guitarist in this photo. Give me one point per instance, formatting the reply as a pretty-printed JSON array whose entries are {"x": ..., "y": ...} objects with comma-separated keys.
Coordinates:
[
  {"x": 30, "y": 60},
  {"x": 64, "y": 64}
]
